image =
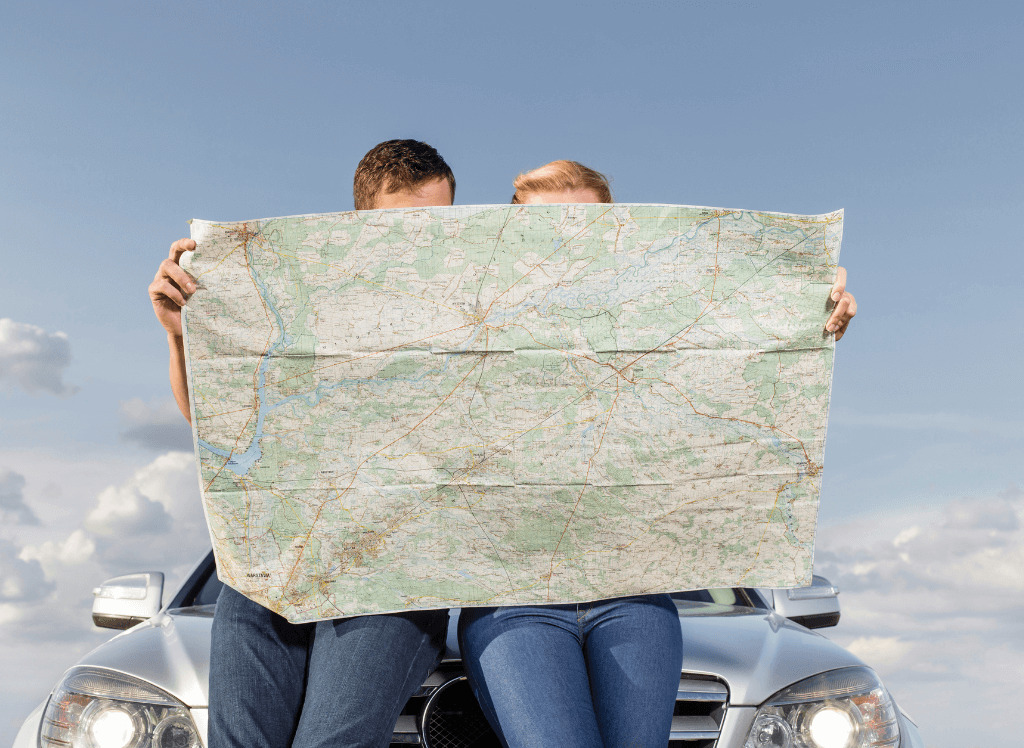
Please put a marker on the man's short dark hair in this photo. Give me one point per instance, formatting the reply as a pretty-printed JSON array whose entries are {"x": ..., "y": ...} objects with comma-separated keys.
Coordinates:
[{"x": 397, "y": 165}]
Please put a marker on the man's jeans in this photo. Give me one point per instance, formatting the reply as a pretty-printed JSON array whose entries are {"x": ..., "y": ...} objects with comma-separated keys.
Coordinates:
[
  {"x": 336, "y": 683},
  {"x": 586, "y": 675}
]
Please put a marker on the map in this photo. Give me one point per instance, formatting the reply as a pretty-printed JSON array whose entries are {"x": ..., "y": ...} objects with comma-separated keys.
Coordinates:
[{"x": 495, "y": 405}]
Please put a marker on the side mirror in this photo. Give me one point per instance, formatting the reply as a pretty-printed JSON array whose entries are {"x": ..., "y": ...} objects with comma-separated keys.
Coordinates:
[
  {"x": 815, "y": 607},
  {"x": 122, "y": 602}
]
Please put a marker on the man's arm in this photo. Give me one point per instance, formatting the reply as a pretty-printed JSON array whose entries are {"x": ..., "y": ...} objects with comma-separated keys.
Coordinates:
[
  {"x": 845, "y": 305},
  {"x": 169, "y": 291}
]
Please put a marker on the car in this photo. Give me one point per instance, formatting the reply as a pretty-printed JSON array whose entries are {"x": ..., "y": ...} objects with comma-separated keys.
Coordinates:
[{"x": 755, "y": 674}]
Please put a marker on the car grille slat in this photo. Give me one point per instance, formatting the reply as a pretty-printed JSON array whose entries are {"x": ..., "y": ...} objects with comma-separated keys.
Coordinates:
[
  {"x": 406, "y": 731},
  {"x": 692, "y": 689},
  {"x": 692, "y": 725}
]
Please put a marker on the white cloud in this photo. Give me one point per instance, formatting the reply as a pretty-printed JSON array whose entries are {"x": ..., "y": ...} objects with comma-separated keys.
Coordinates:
[
  {"x": 906, "y": 535},
  {"x": 151, "y": 502},
  {"x": 172, "y": 480},
  {"x": 20, "y": 580},
  {"x": 889, "y": 649},
  {"x": 933, "y": 602},
  {"x": 12, "y": 499},
  {"x": 152, "y": 520},
  {"x": 155, "y": 425},
  {"x": 52, "y": 555},
  {"x": 33, "y": 359},
  {"x": 125, "y": 510}
]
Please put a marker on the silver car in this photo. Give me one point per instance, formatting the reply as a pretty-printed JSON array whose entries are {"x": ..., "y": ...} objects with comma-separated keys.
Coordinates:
[{"x": 754, "y": 675}]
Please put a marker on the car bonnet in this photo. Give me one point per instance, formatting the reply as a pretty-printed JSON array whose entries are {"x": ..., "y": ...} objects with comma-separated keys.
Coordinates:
[
  {"x": 170, "y": 651},
  {"x": 755, "y": 651}
]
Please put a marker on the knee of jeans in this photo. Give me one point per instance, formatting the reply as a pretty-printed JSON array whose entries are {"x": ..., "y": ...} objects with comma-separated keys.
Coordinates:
[{"x": 434, "y": 624}]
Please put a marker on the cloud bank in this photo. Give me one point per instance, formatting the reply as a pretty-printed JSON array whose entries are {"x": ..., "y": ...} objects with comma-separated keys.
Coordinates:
[
  {"x": 32, "y": 359},
  {"x": 21, "y": 580},
  {"x": 152, "y": 520},
  {"x": 155, "y": 425},
  {"x": 12, "y": 500}
]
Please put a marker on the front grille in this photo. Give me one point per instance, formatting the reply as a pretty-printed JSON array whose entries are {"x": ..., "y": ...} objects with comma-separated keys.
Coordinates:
[
  {"x": 700, "y": 708},
  {"x": 444, "y": 714},
  {"x": 452, "y": 719}
]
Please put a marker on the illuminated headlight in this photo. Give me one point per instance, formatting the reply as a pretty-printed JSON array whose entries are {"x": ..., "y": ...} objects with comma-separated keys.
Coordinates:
[
  {"x": 847, "y": 708},
  {"x": 102, "y": 709}
]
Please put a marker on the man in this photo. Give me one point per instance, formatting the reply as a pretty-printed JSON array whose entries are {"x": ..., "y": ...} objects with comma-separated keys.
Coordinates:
[{"x": 332, "y": 683}]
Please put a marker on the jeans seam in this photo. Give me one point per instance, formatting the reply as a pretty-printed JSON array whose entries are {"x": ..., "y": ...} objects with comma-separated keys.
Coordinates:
[{"x": 582, "y": 611}]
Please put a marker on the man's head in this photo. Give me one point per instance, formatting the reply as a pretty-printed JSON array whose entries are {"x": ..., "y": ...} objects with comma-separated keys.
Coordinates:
[
  {"x": 562, "y": 182},
  {"x": 402, "y": 174}
]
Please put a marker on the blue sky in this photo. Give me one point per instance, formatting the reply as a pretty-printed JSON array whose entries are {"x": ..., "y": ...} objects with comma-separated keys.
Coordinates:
[{"x": 123, "y": 120}]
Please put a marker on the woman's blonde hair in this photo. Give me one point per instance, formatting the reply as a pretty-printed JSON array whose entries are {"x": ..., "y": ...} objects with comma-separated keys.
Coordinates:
[{"x": 560, "y": 176}]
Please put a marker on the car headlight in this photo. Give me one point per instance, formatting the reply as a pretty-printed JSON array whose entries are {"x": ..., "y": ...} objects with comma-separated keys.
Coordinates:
[
  {"x": 102, "y": 709},
  {"x": 847, "y": 708}
]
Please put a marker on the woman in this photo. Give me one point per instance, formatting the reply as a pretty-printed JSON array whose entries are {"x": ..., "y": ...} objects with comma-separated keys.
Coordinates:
[
  {"x": 592, "y": 674},
  {"x": 589, "y": 674}
]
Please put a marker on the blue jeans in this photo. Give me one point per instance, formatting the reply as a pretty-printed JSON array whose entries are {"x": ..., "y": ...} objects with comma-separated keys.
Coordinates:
[
  {"x": 275, "y": 684},
  {"x": 597, "y": 674}
]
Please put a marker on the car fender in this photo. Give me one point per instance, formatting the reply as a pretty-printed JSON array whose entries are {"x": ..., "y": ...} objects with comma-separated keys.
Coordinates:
[{"x": 28, "y": 735}]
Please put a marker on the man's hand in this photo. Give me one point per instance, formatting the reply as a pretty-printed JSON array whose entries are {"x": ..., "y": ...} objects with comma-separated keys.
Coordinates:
[
  {"x": 169, "y": 291},
  {"x": 845, "y": 305},
  {"x": 171, "y": 288}
]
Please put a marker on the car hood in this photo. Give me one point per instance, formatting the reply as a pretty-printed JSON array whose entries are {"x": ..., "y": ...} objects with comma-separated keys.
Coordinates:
[
  {"x": 755, "y": 651},
  {"x": 171, "y": 651}
]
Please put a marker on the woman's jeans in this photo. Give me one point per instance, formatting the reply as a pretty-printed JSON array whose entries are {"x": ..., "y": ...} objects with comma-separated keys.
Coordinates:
[{"x": 597, "y": 674}]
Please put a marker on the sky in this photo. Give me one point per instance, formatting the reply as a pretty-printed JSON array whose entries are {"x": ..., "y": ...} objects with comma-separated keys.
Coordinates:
[{"x": 121, "y": 121}]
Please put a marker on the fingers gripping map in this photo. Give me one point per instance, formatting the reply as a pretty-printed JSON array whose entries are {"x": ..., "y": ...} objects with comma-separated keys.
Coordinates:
[{"x": 492, "y": 405}]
